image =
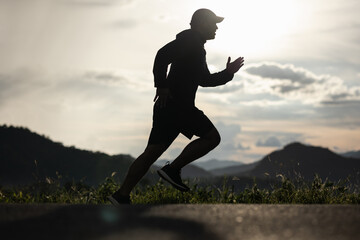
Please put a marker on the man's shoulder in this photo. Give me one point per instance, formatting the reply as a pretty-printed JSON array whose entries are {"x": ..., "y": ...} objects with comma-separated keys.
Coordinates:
[{"x": 189, "y": 36}]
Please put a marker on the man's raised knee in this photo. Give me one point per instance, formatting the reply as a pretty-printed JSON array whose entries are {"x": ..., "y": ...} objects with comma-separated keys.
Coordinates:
[
  {"x": 214, "y": 137},
  {"x": 217, "y": 139}
]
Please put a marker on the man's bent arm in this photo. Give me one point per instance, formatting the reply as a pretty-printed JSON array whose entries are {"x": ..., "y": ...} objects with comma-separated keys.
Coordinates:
[
  {"x": 216, "y": 79},
  {"x": 221, "y": 78}
]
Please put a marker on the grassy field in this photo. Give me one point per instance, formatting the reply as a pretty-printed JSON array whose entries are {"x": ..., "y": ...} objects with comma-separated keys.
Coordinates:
[{"x": 285, "y": 192}]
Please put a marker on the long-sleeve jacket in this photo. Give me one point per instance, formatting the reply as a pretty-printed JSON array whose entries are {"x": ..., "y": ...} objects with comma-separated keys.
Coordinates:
[{"x": 188, "y": 70}]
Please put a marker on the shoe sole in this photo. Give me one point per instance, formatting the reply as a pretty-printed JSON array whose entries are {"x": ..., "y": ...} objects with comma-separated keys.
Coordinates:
[
  {"x": 116, "y": 203},
  {"x": 166, "y": 177}
]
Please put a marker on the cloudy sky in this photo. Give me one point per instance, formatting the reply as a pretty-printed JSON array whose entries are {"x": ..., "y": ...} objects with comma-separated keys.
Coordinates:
[{"x": 80, "y": 72}]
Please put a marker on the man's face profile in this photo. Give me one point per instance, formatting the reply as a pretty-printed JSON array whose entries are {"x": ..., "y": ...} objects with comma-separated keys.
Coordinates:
[{"x": 208, "y": 30}]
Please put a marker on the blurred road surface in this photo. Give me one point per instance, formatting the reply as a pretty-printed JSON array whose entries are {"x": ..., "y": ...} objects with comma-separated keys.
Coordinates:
[{"x": 163, "y": 222}]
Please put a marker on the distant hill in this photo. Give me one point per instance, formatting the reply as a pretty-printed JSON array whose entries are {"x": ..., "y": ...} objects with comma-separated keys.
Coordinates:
[
  {"x": 26, "y": 156},
  {"x": 193, "y": 171},
  {"x": 297, "y": 158},
  {"x": 352, "y": 154},
  {"x": 214, "y": 164},
  {"x": 234, "y": 170}
]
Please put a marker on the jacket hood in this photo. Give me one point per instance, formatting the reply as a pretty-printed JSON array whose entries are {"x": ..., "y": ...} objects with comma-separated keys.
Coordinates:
[{"x": 190, "y": 35}]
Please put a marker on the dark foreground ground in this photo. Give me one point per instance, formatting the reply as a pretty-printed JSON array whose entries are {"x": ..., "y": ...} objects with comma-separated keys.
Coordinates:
[{"x": 208, "y": 222}]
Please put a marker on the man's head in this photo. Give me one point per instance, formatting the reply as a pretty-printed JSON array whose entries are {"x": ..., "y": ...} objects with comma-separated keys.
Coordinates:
[{"x": 204, "y": 21}]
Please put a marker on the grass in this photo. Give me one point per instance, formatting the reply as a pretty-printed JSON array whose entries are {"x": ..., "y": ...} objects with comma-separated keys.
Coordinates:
[{"x": 285, "y": 192}]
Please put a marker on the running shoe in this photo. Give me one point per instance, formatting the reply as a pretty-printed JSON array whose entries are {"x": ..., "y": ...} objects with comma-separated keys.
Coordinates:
[{"x": 173, "y": 177}]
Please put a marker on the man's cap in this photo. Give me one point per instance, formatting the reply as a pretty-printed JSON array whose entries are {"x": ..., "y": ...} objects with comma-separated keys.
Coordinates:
[{"x": 204, "y": 14}]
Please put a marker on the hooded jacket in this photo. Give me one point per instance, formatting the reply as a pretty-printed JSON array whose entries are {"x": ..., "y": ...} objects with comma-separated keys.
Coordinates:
[{"x": 188, "y": 70}]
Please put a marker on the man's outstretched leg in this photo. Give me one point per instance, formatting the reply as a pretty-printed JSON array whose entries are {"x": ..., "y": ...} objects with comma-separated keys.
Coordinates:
[
  {"x": 194, "y": 150},
  {"x": 136, "y": 171}
]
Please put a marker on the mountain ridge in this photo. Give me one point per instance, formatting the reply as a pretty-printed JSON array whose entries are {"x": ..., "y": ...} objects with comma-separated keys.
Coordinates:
[
  {"x": 352, "y": 154},
  {"x": 234, "y": 170},
  {"x": 27, "y": 156},
  {"x": 24, "y": 154},
  {"x": 299, "y": 159},
  {"x": 212, "y": 164}
]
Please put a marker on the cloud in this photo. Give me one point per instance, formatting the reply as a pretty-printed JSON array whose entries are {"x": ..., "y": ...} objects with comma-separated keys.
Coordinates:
[
  {"x": 105, "y": 77},
  {"x": 96, "y": 3},
  {"x": 351, "y": 97},
  {"x": 20, "y": 83},
  {"x": 125, "y": 23},
  {"x": 230, "y": 146},
  {"x": 269, "y": 142},
  {"x": 295, "y": 83},
  {"x": 241, "y": 147},
  {"x": 77, "y": 87},
  {"x": 284, "y": 72},
  {"x": 136, "y": 81},
  {"x": 341, "y": 102},
  {"x": 276, "y": 139}
]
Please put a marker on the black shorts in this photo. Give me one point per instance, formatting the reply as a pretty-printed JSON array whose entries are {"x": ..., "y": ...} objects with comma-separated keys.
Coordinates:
[{"x": 171, "y": 120}]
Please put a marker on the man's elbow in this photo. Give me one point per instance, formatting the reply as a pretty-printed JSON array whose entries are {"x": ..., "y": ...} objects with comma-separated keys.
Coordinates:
[
  {"x": 206, "y": 84},
  {"x": 202, "y": 84}
]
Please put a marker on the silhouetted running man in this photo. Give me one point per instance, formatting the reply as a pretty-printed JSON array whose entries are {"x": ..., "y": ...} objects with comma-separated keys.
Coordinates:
[{"x": 174, "y": 109}]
